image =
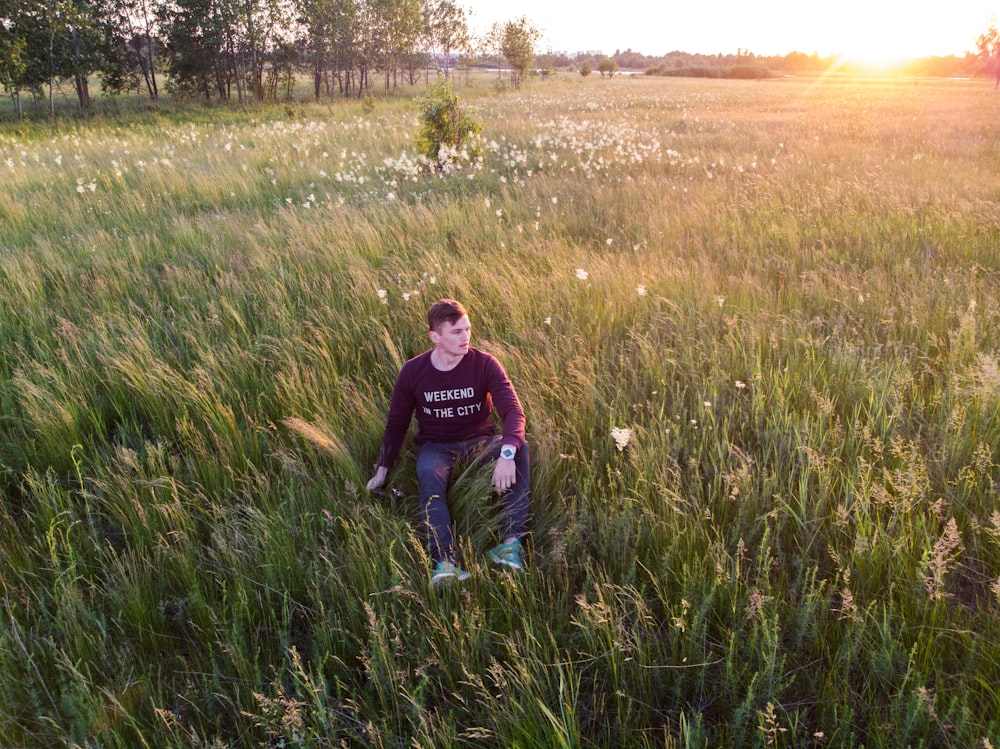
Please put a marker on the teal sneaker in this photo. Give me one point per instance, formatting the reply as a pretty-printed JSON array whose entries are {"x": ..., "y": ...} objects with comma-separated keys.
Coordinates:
[
  {"x": 508, "y": 554},
  {"x": 446, "y": 570}
]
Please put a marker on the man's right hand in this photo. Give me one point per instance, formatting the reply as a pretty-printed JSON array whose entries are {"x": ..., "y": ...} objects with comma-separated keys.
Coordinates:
[{"x": 378, "y": 480}]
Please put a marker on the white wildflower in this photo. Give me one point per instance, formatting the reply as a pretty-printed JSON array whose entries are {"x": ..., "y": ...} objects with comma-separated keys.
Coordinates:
[{"x": 621, "y": 436}]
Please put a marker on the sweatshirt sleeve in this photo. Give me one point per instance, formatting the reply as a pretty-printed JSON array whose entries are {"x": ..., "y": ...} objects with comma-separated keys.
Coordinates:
[
  {"x": 397, "y": 422},
  {"x": 506, "y": 403}
]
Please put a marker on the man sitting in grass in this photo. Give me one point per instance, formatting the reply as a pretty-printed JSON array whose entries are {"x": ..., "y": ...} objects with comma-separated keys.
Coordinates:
[{"x": 454, "y": 390}]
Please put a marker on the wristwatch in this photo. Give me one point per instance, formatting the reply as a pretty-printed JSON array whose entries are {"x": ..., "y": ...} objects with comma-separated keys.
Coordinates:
[{"x": 507, "y": 452}]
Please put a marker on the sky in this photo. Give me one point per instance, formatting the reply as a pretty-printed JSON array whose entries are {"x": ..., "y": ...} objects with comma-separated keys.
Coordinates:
[{"x": 870, "y": 30}]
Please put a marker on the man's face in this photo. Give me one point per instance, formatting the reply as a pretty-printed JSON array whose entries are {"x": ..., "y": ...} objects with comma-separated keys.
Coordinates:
[{"x": 453, "y": 339}]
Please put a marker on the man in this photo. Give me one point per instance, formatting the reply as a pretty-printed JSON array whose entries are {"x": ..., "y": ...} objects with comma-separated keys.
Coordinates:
[{"x": 454, "y": 390}]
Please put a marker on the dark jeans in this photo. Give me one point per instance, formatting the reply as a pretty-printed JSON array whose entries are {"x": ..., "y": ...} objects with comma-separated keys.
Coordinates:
[{"x": 434, "y": 464}]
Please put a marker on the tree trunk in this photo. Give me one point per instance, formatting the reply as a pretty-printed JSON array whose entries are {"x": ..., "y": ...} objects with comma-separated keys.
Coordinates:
[
  {"x": 255, "y": 78},
  {"x": 221, "y": 75},
  {"x": 154, "y": 91},
  {"x": 237, "y": 57},
  {"x": 149, "y": 70},
  {"x": 82, "y": 91},
  {"x": 52, "y": 75},
  {"x": 147, "y": 76}
]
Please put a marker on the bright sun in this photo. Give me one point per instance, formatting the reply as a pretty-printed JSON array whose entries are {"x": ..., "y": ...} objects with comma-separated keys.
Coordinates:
[
  {"x": 880, "y": 38},
  {"x": 879, "y": 55}
]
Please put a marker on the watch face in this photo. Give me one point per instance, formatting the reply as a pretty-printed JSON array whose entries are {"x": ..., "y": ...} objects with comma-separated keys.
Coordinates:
[{"x": 507, "y": 453}]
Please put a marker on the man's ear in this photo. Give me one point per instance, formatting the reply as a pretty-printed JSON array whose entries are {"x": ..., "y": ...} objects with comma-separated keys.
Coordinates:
[{"x": 435, "y": 337}]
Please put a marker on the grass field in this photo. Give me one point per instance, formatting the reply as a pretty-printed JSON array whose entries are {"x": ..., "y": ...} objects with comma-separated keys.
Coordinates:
[{"x": 756, "y": 330}]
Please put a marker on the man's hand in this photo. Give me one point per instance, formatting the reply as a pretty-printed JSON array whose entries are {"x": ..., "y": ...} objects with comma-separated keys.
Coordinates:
[
  {"x": 378, "y": 480},
  {"x": 504, "y": 475}
]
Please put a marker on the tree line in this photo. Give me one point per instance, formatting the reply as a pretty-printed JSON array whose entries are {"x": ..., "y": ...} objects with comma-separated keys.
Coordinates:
[
  {"x": 743, "y": 63},
  {"x": 241, "y": 50}
]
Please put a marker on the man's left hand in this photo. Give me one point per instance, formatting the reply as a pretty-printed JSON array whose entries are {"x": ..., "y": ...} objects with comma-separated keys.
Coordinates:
[{"x": 504, "y": 475}]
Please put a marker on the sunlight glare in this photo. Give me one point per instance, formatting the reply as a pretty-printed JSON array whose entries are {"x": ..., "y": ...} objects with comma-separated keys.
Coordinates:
[{"x": 881, "y": 37}]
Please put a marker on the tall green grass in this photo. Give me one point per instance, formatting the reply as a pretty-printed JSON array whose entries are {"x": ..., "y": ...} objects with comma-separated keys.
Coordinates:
[{"x": 785, "y": 292}]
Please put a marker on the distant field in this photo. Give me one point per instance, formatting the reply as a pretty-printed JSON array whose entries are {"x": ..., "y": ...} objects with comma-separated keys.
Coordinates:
[{"x": 756, "y": 329}]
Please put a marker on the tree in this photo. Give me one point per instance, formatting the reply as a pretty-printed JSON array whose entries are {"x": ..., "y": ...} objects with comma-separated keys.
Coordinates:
[
  {"x": 27, "y": 38},
  {"x": 331, "y": 28},
  {"x": 254, "y": 32},
  {"x": 77, "y": 44},
  {"x": 54, "y": 40},
  {"x": 193, "y": 36},
  {"x": 129, "y": 46},
  {"x": 446, "y": 28},
  {"x": 216, "y": 44},
  {"x": 586, "y": 68},
  {"x": 385, "y": 31},
  {"x": 402, "y": 26},
  {"x": 315, "y": 18},
  {"x": 608, "y": 65},
  {"x": 47, "y": 41},
  {"x": 517, "y": 43},
  {"x": 13, "y": 47},
  {"x": 283, "y": 59},
  {"x": 988, "y": 46},
  {"x": 490, "y": 46}
]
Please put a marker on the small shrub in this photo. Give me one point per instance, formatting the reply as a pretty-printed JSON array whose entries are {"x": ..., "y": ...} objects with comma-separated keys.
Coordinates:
[
  {"x": 693, "y": 71},
  {"x": 749, "y": 72},
  {"x": 445, "y": 128},
  {"x": 608, "y": 66}
]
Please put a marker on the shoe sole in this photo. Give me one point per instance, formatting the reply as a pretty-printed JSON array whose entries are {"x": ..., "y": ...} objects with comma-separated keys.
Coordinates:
[
  {"x": 497, "y": 560},
  {"x": 450, "y": 576}
]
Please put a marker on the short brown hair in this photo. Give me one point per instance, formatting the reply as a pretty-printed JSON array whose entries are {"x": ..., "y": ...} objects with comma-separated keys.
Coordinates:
[{"x": 445, "y": 311}]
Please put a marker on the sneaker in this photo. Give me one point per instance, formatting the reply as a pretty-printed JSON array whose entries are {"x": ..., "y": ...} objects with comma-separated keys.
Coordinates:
[
  {"x": 445, "y": 570},
  {"x": 508, "y": 554}
]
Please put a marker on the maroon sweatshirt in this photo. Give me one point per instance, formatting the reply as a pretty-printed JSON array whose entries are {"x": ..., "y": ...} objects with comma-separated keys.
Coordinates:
[{"x": 451, "y": 406}]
